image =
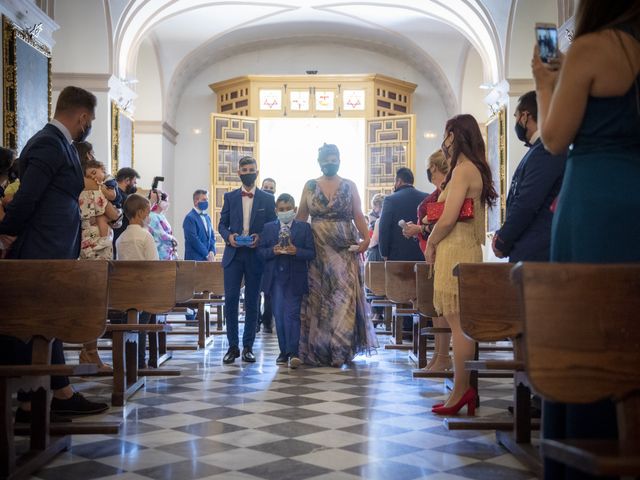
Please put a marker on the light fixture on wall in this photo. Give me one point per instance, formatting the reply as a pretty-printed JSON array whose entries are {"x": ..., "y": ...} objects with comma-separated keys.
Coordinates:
[
  {"x": 197, "y": 131},
  {"x": 429, "y": 135}
]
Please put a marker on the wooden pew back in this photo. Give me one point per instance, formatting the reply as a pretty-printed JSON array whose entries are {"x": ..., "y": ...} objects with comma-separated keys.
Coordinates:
[
  {"x": 424, "y": 291},
  {"x": 70, "y": 304},
  {"x": 400, "y": 281},
  {"x": 148, "y": 286},
  {"x": 377, "y": 278},
  {"x": 489, "y": 302},
  {"x": 209, "y": 278},
  {"x": 582, "y": 335},
  {"x": 185, "y": 280}
]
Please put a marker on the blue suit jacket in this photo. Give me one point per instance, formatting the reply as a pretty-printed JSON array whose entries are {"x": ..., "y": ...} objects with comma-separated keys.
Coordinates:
[
  {"x": 263, "y": 211},
  {"x": 401, "y": 205},
  {"x": 45, "y": 212},
  {"x": 526, "y": 233},
  {"x": 197, "y": 241},
  {"x": 288, "y": 268}
]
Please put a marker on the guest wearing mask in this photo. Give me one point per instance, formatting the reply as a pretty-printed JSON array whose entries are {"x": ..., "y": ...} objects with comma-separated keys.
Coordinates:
[
  {"x": 269, "y": 186},
  {"x": 526, "y": 233},
  {"x": 159, "y": 226},
  {"x": 199, "y": 237},
  {"x": 244, "y": 214},
  {"x": 127, "y": 179},
  {"x": 266, "y": 316}
]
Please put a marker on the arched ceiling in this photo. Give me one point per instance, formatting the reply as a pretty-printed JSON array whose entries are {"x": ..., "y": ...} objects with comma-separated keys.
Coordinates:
[{"x": 430, "y": 35}]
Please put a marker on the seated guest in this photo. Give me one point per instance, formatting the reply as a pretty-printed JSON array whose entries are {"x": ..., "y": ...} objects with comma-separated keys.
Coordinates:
[
  {"x": 526, "y": 232},
  {"x": 136, "y": 243},
  {"x": 287, "y": 245},
  {"x": 44, "y": 219}
]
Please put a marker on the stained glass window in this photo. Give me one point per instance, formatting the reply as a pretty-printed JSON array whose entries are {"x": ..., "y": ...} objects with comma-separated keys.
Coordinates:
[
  {"x": 353, "y": 100},
  {"x": 299, "y": 100},
  {"x": 325, "y": 100},
  {"x": 270, "y": 99}
]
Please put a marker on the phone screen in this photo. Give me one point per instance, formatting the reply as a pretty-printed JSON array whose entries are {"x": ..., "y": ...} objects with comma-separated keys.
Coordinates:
[{"x": 547, "y": 42}]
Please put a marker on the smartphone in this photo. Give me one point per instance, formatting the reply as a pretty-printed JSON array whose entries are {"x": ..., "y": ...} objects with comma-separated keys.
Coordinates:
[{"x": 547, "y": 38}]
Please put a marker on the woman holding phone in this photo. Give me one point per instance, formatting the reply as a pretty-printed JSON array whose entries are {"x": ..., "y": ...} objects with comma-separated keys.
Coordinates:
[{"x": 584, "y": 104}]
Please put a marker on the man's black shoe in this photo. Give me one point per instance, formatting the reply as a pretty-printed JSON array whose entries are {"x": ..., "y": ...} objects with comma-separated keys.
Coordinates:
[
  {"x": 268, "y": 330},
  {"x": 248, "y": 356},
  {"x": 77, "y": 405},
  {"x": 231, "y": 355},
  {"x": 282, "y": 359},
  {"x": 22, "y": 416}
]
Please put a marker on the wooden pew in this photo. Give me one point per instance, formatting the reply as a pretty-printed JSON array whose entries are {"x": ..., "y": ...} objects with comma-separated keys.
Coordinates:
[
  {"x": 490, "y": 311},
  {"x": 400, "y": 288},
  {"x": 135, "y": 287},
  {"x": 377, "y": 286},
  {"x": 426, "y": 311},
  {"x": 42, "y": 300},
  {"x": 582, "y": 345}
]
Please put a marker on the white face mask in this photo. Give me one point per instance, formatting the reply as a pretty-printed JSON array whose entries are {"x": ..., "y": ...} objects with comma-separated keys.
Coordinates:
[{"x": 286, "y": 217}]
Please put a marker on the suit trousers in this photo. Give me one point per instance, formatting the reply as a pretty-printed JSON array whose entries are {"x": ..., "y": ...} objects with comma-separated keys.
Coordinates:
[
  {"x": 287, "y": 312},
  {"x": 245, "y": 264}
]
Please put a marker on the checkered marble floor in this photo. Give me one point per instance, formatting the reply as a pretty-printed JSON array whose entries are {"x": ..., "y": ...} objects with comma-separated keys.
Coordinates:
[{"x": 260, "y": 421}]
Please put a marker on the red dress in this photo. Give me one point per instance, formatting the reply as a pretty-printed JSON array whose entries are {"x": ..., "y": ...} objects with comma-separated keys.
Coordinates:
[{"x": 422, "y": 212}]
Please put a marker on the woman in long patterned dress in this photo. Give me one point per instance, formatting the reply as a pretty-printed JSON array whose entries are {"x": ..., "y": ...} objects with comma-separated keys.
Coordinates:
[
  {"x": 334, "y": 324},
  {"x": 454, "y": 241}
]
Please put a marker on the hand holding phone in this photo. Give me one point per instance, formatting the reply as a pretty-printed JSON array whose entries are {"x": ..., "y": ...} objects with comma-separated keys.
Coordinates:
[{"x": 547, "y": 39}]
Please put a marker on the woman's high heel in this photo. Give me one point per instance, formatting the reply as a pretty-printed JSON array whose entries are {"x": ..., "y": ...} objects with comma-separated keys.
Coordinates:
[{"x": 469, "y": 399}]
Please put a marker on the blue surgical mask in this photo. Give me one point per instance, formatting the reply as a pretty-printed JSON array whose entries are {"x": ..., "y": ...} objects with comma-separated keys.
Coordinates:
[
  {"x": 203, "y": 206},
  {"x": 286, "y": 217}
]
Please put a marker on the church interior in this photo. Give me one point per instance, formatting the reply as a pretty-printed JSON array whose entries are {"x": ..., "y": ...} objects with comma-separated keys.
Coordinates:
[{"x": 184, "y": 90}]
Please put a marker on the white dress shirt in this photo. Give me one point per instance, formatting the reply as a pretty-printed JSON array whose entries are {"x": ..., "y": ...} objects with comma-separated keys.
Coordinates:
[
  {"x": 136, "y": 243},
  {"x": 247, "y": 205},
  {"x": 203, "y": 218}
]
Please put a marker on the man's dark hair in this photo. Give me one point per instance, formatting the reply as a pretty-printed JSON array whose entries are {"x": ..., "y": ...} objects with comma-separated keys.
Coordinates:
[
  {"x": 269, "y": 179},
  {"x": 405, "y": 175},
  {"x": 199, "y": 192},
  {"x": 247, "y": 160},
  {"x": 6, "y": 160},
  {"x": 286, "y": 198},
  {"x": 133, "y": 204},
  {"x": 72, "y": 98},
  {"x": 126, "y": 173},
  {"x": 528, "y": 103}
]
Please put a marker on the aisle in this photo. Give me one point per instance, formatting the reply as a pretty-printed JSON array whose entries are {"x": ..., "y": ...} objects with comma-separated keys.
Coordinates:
[{"x": 260, "y": 421}]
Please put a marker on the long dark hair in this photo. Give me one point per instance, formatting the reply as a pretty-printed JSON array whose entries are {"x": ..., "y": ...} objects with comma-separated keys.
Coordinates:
[
  {"x": 596, "y": 15},
  {"x": 467, "y": 141}
]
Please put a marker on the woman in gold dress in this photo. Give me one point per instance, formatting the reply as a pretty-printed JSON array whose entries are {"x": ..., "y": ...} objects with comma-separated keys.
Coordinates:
[{"x": 454, "y": 241}]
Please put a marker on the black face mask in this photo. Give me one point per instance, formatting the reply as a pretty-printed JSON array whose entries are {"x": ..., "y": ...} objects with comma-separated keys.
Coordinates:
[
  {"x": 330, "y": 169},
  {"x": 130, "y": 189},
  {"x": 521, "y": 132},
  {"x": 429, "y": 175},
  {"x": 248, "y": 179},
  {"x": 84, "y": 134}
]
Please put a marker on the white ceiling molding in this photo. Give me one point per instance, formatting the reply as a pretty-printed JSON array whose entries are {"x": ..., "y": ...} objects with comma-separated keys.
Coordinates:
[{"x": 94, "y": 82}]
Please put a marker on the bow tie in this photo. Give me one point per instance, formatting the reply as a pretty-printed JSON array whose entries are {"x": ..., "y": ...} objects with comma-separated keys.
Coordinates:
[{"x": 247, "y": 194}]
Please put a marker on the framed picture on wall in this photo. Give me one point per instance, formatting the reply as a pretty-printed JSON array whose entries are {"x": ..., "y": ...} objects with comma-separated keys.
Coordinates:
[
  {"x": 497, "y": 158},
  {"x": 121, "y": 138},
  {"x": 26, "y": 84}
]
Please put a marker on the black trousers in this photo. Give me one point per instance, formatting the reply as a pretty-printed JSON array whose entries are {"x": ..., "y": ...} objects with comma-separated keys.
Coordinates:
[
  {"x": 266, "y": 318},
  {"x": 16, "y": 352}
]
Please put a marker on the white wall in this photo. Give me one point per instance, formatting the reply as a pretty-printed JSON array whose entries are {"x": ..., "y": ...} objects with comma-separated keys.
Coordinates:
[
  {"x": 148, "y": 104},
  {"x": 192, "y": 152},
  {"x": 472, "y": 96},
  {"x": 147, "y": 159}
]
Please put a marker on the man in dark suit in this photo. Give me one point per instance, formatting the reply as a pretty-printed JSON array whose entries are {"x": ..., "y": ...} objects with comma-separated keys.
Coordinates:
[
  {"x": 127, "y": 179},
  {"x": 526, "y": 232},
  {"x": 266, "y": 317},
  {"x": 244, "y": 213},
  {"x": 44, "y": 218},
  {"x": 401, "y": 205},
  {"x": 199, "y": 237},
  {"x": 287, "y": 246}
]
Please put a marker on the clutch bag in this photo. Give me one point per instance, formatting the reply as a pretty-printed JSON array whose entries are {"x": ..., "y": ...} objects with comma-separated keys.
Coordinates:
[{"x": 434, "y": 210}]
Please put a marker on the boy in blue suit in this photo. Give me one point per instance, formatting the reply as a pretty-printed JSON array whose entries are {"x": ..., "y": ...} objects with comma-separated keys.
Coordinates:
[
  {"x": 287, "y": 246},
  {"x": 244, "y": 213},
  {"x": 199, "y": 237}
]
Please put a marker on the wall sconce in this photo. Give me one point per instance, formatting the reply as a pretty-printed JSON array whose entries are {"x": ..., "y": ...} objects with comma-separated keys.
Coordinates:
[
  {"x": 429, "y": 135},
  {"x": 197, "y": 131}
]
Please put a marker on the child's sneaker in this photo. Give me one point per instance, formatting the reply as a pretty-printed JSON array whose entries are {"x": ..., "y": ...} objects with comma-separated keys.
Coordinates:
[{"x": 294, "y": 362}]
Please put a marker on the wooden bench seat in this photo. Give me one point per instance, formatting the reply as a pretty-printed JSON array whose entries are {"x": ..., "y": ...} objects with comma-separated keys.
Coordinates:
[
  {"x": 376, "y": 279},
  {"x": 400, "y": 288},
  {"x": 71, "y": 306},
  {"x": 582, "y": 338}
]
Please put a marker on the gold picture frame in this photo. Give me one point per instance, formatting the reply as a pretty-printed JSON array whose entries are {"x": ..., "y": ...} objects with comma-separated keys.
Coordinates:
[
  {"x": 497, "y": 159},
  {"x": 26, "y": 85},
  {"x": 122, "y": 138}
]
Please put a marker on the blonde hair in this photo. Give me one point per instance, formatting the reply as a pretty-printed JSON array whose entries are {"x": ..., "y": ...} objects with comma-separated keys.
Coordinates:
[
  {"x": 438, "y": 160},
  {"x": 377, "y": 199}
]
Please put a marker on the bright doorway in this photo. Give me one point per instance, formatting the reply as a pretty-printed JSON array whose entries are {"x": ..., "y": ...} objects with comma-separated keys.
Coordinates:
[{"x": 289, "y": 150}]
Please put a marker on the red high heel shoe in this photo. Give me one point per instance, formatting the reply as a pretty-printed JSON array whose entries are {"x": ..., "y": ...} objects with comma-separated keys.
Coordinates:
[{"x": 468, "y": 399}]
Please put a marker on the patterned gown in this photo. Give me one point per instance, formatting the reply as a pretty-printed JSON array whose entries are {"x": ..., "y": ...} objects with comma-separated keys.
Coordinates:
[
  {"x": 162, "y": 234},
  {"x": 334, "y": 324},
  {"x": 94, "y": 247}
]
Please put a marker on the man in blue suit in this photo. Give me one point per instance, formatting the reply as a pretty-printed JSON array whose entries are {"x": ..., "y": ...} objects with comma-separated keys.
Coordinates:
[
  {"x": 401, "y": 205},
  {"x": 287, "y": 246},
  {"x": 44, "y": 218},
  {"x": 244, "y": 213},
  {"x": 526, "y": 232},
  {"x": 199, "y": 237}
]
